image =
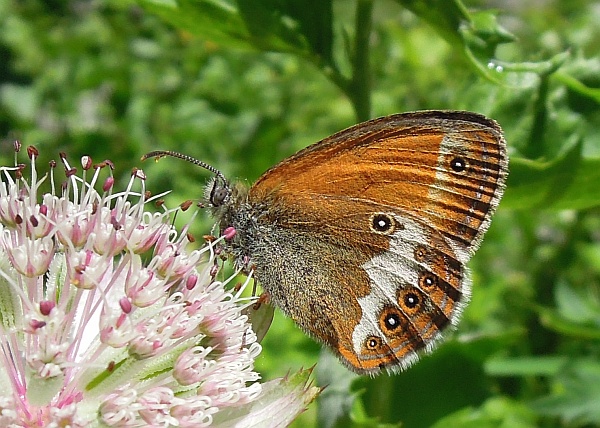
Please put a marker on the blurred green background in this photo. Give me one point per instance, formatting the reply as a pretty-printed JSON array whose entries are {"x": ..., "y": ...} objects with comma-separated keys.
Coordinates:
[{"x": 243, "y": 84}]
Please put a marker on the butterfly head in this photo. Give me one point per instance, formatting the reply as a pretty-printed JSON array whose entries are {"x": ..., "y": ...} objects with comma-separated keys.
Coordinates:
[
  {"x": 217, "y": 192},
  {"x": 225, "y": 199}
]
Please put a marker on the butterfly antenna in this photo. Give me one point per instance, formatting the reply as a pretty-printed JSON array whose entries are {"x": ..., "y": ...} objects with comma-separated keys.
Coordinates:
[{"x": 157, "y": 154}]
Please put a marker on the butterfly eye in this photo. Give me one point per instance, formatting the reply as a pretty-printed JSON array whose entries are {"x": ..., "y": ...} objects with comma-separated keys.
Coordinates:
[
  {"x": 458, "y": 164},
  {"x": 373, "y": 343},
  {"x": 410, "y": 300},
  {"x": 427, "y": 280},
  {"x": 218, "y": 197},
  {"x": 420, "y": 254},
  {"x": 383, "y": 223},
  {"x": 219, "y": 193},
  {"x": 390, "y": 319}
]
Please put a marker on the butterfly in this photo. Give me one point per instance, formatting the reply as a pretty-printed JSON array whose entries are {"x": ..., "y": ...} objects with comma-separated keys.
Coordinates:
[{"x": 362, "y": 238}]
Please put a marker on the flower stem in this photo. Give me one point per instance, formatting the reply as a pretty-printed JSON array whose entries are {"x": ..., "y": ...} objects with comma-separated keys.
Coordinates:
[{"x": 360, "y": 85}]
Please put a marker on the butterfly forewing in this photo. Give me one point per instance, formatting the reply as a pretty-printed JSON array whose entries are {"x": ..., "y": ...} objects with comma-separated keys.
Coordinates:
[{"x": 447, "y": 168}]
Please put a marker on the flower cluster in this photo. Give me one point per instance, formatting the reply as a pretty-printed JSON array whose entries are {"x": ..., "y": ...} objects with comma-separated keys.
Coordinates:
[{"x": 106, "y": 319}]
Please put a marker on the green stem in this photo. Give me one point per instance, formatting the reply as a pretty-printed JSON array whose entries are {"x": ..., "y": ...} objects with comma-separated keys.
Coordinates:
[{"x": 359, "y": 89}]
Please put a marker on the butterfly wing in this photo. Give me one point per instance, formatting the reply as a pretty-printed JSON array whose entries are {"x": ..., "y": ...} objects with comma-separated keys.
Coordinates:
[
  {"x": 367, "y": 232},
  {"x": 446, "y": 168}
]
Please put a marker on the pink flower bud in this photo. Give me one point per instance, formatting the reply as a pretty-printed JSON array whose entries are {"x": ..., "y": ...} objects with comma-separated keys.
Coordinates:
[
  {"x": 32, "y": 152},
  {"x": 108, "y": 184},
  {"x": 86, "y": 162},
  {"x": 46, "y": 307},
  {"x": 229, "y": 232}
]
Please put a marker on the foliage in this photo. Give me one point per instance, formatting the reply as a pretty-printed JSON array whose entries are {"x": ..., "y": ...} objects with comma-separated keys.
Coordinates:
[{"x": 241, "y": 84}]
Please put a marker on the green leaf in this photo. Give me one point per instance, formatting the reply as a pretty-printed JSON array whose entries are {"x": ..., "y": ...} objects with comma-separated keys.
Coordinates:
[
  {"x": 497, "y": 412},
  {"x": 580, "y": 305},
  {"x": 525, "y": 366},
  {"x": 337, "y": 398},
  {"x": 260, "y": 318},
  {"x": 541, "y": 68},
  {"x": 566, "y": 182},
  {"x": 552, "y": 320},
  {"x": 478, "y": 34},
  {"x": 214, "y": 20},
  {"x": 272, "y": 25},
  {"x": 315, "y": 18},
  {"x": 575, "y": 394},
  {"x": 446, "y": 16},
  {"x": 269, "y": 26},
  {"x": 579, "y": 87},
  {"x": 581, "y": 77},
  {"x": 341, "y": 404},
  {"x": 288, "y": 26},
  {"x": 450, "y": 378}
]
